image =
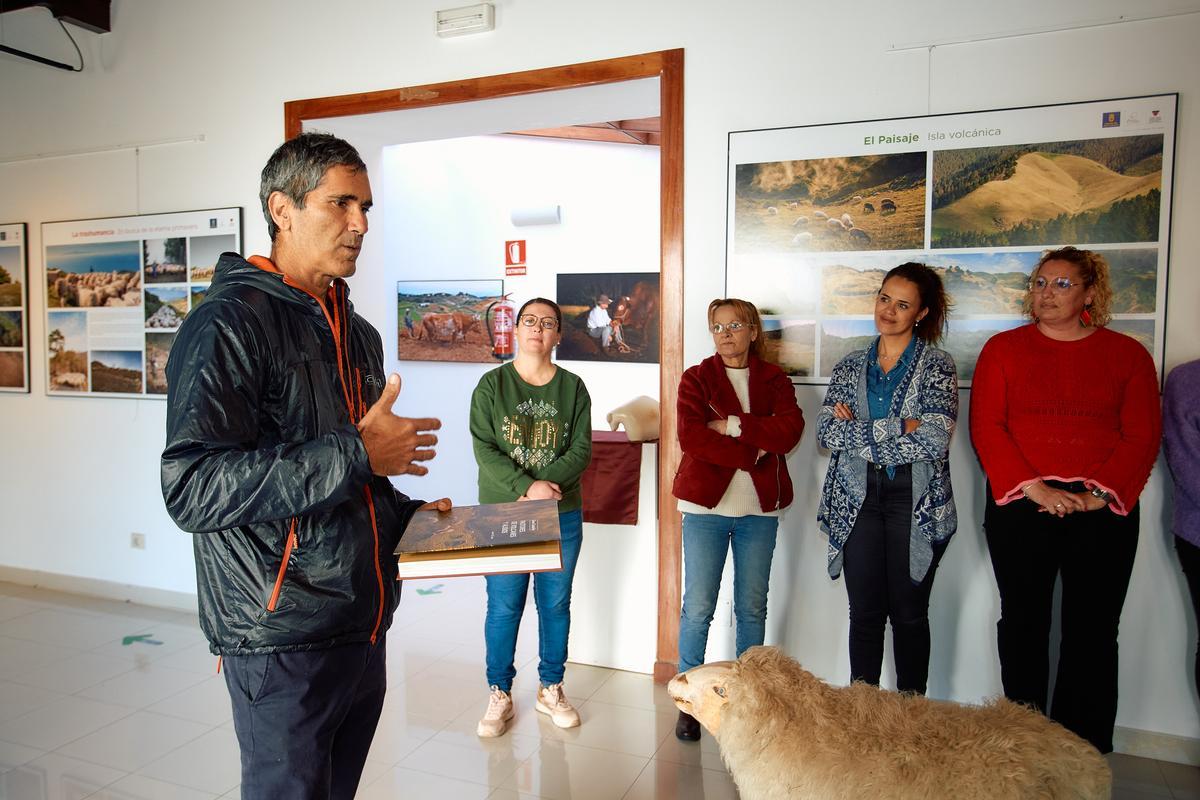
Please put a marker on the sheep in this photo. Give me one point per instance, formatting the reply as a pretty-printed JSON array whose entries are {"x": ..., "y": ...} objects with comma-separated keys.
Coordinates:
[
  {"x": 856, "y": 199},
  {"x": 802, "y": 238},
  {"x": 820, "y": 215},
  {"x": 800, "y": 221},
  {"x": 860, "y": 235},
  {"x": 836, "y": 224},
  {"x": 887, "y": 205},
  {"x": 784, "y": 733},
  {"x": 847, "y": 221},
  {"x": 868, "y": 208},
  {"x": 772, "y": 210}
]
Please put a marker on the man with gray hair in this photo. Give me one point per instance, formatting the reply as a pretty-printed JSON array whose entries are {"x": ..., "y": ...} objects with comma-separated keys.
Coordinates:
[{"x": 280, "y": 438}]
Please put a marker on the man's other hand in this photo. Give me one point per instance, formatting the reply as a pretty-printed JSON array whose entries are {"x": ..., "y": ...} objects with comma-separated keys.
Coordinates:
[
  {"x": 395, "y": 444},
  {"x": 442, "y": 505}
]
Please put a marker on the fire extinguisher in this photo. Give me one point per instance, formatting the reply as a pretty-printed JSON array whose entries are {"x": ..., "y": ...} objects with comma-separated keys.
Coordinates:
[{"x": 500, "y": 328}]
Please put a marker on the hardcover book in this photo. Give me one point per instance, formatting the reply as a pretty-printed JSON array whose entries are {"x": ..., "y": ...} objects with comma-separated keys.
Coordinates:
[{"x": 481, "y": 540}]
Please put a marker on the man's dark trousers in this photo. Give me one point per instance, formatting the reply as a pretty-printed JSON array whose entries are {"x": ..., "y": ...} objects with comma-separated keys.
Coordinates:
[{"x": 305, "y": 719}]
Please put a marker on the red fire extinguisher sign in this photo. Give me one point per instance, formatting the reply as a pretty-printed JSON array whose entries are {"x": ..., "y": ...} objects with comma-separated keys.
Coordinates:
[{"x": 514, "y": 257}]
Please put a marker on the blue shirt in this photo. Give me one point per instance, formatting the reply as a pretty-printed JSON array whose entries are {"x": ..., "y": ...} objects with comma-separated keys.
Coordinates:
[{"x": 881, "y": 387}]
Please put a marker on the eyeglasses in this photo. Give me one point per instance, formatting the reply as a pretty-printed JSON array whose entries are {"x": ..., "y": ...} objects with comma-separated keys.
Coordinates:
[
  {"x": 547, "y": 323},
  {"x": 1059, "y": 284},
  {"x": 732, "y": 327}
]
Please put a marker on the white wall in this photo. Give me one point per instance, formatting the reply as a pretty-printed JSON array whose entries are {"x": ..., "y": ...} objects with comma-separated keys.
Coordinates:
[{"x": 84, "y": 471}]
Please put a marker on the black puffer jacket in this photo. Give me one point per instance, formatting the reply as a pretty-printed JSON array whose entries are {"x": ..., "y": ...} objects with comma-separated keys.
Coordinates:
[{"x": 263, "y": 462}]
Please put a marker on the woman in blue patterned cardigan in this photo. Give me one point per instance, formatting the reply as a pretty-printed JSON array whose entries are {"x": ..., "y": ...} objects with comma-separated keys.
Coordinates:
[{"x": 887, "y": 505}]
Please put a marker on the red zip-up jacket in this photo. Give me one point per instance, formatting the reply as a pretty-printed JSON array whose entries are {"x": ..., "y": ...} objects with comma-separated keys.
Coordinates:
[{"x": 710, "y": 459}]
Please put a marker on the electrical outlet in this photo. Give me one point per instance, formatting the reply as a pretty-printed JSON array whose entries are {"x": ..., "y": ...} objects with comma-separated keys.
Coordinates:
[{"x": 137, "y": 541}]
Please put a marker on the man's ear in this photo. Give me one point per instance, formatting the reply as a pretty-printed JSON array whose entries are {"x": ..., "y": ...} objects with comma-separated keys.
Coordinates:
[{"x": 281, "y": 208}]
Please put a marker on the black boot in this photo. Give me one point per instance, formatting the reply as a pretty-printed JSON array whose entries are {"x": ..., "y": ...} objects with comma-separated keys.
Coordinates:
[{"x": 687, "y": 729}]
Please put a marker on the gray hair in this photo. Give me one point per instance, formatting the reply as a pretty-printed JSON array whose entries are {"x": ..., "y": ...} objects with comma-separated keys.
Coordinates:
[{"x": 299, "y": 164}]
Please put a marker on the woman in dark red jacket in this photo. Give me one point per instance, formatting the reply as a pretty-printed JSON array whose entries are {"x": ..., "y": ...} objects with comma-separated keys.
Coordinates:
[{"x": 738, "y": 419}]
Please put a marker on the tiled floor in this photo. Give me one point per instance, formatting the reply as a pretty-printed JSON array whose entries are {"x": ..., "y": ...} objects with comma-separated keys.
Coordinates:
[{"x": 83, "y": 714}]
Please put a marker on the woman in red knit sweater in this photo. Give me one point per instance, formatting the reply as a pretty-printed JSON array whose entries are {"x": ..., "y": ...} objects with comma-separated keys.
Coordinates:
[{"x": 1065, "y": 419}]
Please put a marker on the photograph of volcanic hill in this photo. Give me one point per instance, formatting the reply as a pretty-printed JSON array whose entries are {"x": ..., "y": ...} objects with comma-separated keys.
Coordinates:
[
  {"x": 117, "y": 371},
  {"x": 1080, "y": 192},
  {"x": 1134, "y": 277},
  {"x": 831, "y": 204},
  {"x": 791, "y": 345}
]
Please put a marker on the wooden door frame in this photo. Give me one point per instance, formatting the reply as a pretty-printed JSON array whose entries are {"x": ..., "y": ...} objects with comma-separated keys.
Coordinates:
[{"x": 667, "y": 66}]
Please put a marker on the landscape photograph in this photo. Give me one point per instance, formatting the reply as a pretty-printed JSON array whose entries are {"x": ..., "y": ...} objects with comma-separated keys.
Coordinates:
[
  {"x": 204, "y": 252},
  {"x": 849, "y": 284},
  {"x": 198, "y": 294},
  {"x": 68, "y": 346},
  {"x": 166, "y": 306},
  {"x": 165, "y": 260},
  {"x": 634, "y": 307},
  {"x": 117, "y": 371},
  {"x": 874, "y": 202},
  {"x": 158, "y": 347},
  {"x": 791, "y": 344},
  {"x": 1133, "y": 273},
  {"x": 1140, "y": 329},
  {"x": 966, "y": 337},
  {"x": 12, "y": 369},
  {"x": 94, "y": 275},
  {"x": 446, "y": 320},
  {"x": 1078, "y": 192},
  {"x": 11, "y": 270},
  {"x": 985, "y": 283},
  {"x": 784, "y": 285},
  {"x": 12, "y": 328},
  {"x": 840, "y": 337}
]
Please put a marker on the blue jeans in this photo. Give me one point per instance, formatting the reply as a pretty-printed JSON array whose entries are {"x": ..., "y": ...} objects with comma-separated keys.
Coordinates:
[
  {"x": 706, "y": 538},
  {"x": 552, "y": 594}
]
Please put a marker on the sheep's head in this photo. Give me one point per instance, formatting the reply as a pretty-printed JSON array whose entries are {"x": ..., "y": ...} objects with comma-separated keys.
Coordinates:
[{"x": 704, "y": 692}]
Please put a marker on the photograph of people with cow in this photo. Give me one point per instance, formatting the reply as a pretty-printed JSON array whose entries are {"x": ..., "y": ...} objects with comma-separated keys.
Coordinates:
[
  {"x": 609, "y": 316},
  {"x": 446, "y": 320}
]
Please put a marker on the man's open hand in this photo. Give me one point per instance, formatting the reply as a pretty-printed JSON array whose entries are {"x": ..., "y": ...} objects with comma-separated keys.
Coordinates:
[{"x": 395, "y": 444}]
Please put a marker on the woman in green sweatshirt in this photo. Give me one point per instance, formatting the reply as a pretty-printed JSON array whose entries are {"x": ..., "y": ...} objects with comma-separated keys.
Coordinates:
[{"x": 531, "y": 427}]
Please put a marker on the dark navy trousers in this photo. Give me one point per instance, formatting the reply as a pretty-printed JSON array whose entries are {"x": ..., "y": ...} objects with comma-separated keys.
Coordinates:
[{"x": 305, "y": 720}]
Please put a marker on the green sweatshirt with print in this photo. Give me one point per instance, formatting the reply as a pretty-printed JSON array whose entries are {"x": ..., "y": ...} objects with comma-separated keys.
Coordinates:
[{"x": 522, "y": 433}]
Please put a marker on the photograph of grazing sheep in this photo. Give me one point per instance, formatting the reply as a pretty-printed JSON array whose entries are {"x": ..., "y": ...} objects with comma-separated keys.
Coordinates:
[
  {"x": 166, "y": 306},
  {"x": 829, "y": 204},
  {"x": 1077, "y": 192},
  {"x": 784, "y": 733},
  {"x": 165, "y": 260},
  {"x": 446, "y": 320},
  {"x": 203, "y": 252},
  {"x": 94, "y": 275}
]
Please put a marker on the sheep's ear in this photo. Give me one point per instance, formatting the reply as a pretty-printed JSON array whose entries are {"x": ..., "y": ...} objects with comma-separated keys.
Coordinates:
[{"x": 720, "y": 690}]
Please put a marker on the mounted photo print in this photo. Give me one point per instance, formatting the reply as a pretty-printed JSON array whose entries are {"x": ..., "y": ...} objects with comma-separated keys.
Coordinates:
[
  {"x": 451, "y": 321},
  {"x": 609, "y": 316},
  {"x": 117, "y": 290},
  {"x": 818, "y": 214},
  {"x": 14, "y": 309}
]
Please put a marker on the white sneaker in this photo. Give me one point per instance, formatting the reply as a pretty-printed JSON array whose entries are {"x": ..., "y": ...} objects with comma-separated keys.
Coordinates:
[
  {"x": 499, "y": 712},
  {"x": 552, "y": 701}
]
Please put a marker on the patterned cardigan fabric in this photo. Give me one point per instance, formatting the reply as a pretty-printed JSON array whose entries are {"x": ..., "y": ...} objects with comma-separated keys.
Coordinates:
[{"x": 928, "y": 392}]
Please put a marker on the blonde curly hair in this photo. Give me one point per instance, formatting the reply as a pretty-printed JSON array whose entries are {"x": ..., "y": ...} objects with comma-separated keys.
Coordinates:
[{"x": 1093, "y": 269}]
